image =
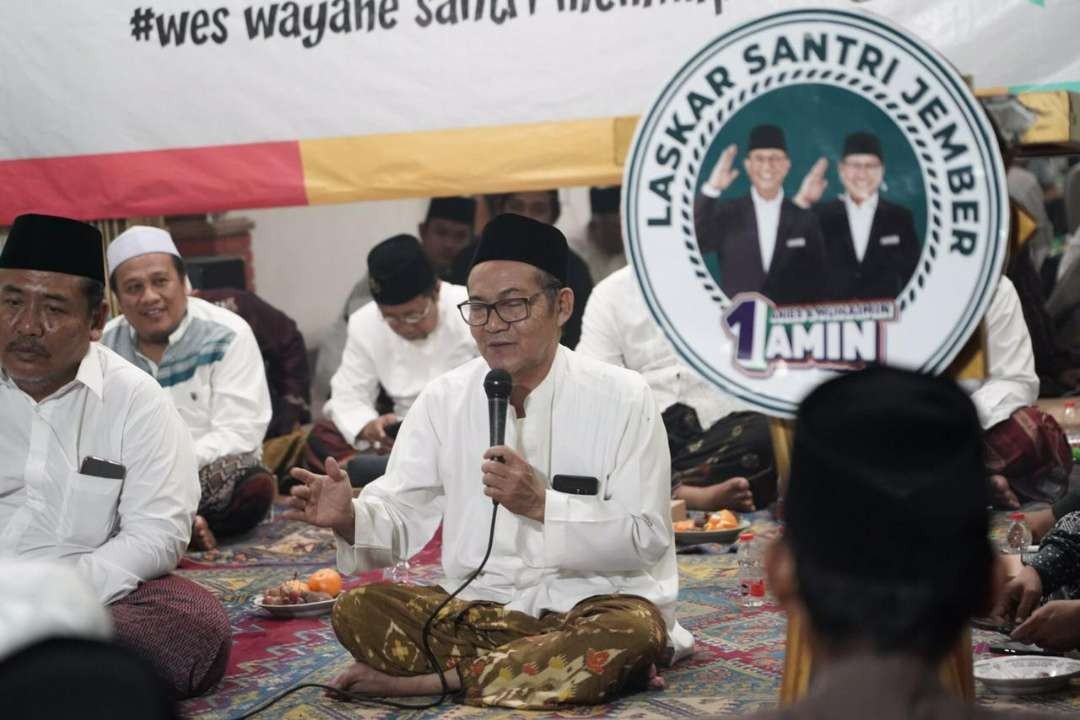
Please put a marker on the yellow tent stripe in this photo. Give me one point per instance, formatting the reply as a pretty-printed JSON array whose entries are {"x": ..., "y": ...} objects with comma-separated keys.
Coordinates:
[{"x": 466, "y": 161}]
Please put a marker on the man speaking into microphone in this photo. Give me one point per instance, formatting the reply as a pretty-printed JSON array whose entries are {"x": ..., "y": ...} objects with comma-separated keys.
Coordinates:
[{"x": 575, "y": 604}]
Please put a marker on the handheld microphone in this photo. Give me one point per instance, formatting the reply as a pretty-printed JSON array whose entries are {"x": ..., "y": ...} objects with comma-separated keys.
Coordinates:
[{"x": 497, "y": 385}]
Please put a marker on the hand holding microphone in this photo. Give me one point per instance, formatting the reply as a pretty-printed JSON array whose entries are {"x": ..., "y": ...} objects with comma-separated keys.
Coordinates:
[
  {"x": 497, "y": 385},
  {"x": 508, "y": 479}
]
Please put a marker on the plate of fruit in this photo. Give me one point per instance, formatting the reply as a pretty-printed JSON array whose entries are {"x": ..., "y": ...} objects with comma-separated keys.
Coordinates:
[
  {"x": 716, "y": 527},
  {"x": 298, "y": 598}
]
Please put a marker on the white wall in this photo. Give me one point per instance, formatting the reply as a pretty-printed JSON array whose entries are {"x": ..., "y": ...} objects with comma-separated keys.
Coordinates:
[{"x": 307, "y": 258}]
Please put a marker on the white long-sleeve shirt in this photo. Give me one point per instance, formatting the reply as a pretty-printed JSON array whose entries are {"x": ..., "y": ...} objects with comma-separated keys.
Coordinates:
[
  {"x": 618, "y": 329},
  {"x": 860, "y": 218},
  {"x": 375, "y": 354},
  {"x": 214, "y": 373},
  {"x": 585, "y": 418},
  {"x": 115, "y": 532},
  {"x": 1010, "y": 382}
]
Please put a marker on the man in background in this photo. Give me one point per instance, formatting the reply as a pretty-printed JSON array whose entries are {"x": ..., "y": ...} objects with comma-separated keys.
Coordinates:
[
  {"x": 722, "y": 455},
  {"x": 406, "y": 337},
  {"x": 445, "y": 233},
  {"x": 208, "y": 361}
]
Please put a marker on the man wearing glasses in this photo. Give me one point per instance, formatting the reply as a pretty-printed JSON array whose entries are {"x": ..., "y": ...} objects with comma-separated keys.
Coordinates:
[
  {"x": 576, "y": 602},
  {"x": 409, "y": 335},
  {"x": 871, "y": 243},
  {"x": 760, "y": 242}
]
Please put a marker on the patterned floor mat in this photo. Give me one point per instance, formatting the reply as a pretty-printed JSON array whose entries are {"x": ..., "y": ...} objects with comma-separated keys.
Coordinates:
[{"x": 736, "y": 667}]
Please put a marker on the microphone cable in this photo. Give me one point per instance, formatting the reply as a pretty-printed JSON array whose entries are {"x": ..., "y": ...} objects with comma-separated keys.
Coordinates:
[{"x": 425, "y": 645}]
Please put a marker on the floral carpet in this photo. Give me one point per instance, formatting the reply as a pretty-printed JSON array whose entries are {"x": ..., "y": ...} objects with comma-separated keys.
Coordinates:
[{"x": 736, "y": 667}]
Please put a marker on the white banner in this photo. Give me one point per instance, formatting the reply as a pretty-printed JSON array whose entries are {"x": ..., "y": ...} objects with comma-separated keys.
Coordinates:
[{"x": 79, "y": 78}]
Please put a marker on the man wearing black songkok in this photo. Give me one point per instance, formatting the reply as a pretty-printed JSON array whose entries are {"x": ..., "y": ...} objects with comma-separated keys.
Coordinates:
[
  {"x": 96, "y": 467},
  {"x": 542, "y": 206},
  {"x": 445, "y": 233},
  {"x": 408, "y": 336},
  {"x": 870, "y": 242},
  {"x": 760, "y": 242},
  {"x": 886, "y": 549},
  {"x": 573, "y": 626}
]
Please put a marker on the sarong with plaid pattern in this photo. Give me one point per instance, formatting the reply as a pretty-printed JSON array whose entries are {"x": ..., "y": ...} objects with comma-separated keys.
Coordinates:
[{"x": 603, "y": 647}]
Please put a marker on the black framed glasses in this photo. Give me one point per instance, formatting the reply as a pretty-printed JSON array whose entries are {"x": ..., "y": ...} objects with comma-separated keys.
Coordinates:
[
  {"x": 510, "y": 310},
  {"x": 411, "y": 318}
]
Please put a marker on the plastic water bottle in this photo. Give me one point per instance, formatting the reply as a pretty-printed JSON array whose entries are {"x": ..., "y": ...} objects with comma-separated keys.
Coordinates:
[
  {"x": 1070, "y": 421},
  {"x": 751, "y": 573},
  {"x": 1018, "y": 535}
]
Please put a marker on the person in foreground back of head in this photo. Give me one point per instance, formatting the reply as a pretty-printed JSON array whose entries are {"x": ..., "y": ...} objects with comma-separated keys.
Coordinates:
[
  {"x": 97, "y": 470},
  {"x": 576, "y": 604},
  {"x": 885, "y": 551}
]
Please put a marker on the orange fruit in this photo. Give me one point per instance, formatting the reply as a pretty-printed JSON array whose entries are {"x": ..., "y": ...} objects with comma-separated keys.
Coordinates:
[
  {"x": 724, "y": 520},
  {"x": 326, "y": 580}
]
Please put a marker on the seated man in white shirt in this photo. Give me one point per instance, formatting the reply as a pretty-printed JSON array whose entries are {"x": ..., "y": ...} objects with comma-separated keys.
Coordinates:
[
  {"x": 445, "y": 234},
  {"x": 577, "y": 601},
  {"x": 722, "y": 454},
  {"x": 1027, "y": 455},
  {"x": 96, "y": 467},
  {"x": 208, "y": 360},
  {"x": 408, "y": 336}
]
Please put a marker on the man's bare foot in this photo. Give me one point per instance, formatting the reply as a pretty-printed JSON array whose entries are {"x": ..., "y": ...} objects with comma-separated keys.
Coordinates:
[
  {"x": 732, "y": 494},
  {"x": 1001, "y": 495},
  {"x": 363, "y": 679},
  {"x": 1040, "y": 522},
  {"x": 655, "y": 681},
  {"x": 202, "y": 537}
]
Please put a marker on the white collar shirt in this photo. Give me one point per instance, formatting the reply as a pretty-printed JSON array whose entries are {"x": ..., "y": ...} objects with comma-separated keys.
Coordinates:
[
  {"x": 214, "y": 373},
  {"x": 619, "y": 329},
  {"x": 376, "y": 355},
  {"x": 115, "y": 532},
  {"x": 767, "y": 214},
  {"x": 860, "y": 218},
  {"x": 585, "y": 418}
]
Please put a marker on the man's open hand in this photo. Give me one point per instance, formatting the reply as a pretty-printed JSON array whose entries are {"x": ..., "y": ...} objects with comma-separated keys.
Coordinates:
[
  {"x": 723, "y": 175},
  {"x": 323, "y": 500},
  {"x": 513, "y": 483},
  {"x": 813, "y": 185}
]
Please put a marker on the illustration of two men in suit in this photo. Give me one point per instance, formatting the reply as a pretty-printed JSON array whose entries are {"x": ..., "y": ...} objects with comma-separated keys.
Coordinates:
[{"x": 856, "y": 247}]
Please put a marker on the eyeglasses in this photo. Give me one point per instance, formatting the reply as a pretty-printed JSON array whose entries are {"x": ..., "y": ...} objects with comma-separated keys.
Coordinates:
[
  {"x": 411, "y": 318},
  {"x": 511, "y": 310}
]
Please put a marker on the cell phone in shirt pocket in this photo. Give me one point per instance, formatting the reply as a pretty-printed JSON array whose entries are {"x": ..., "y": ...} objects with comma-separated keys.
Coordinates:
[
  {"x": 575, "y": 484},
  {"x": 102, "y": 468}
]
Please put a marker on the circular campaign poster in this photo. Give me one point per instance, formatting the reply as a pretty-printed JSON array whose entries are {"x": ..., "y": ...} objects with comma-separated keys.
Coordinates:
[{"x": 813, "y": 192}]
